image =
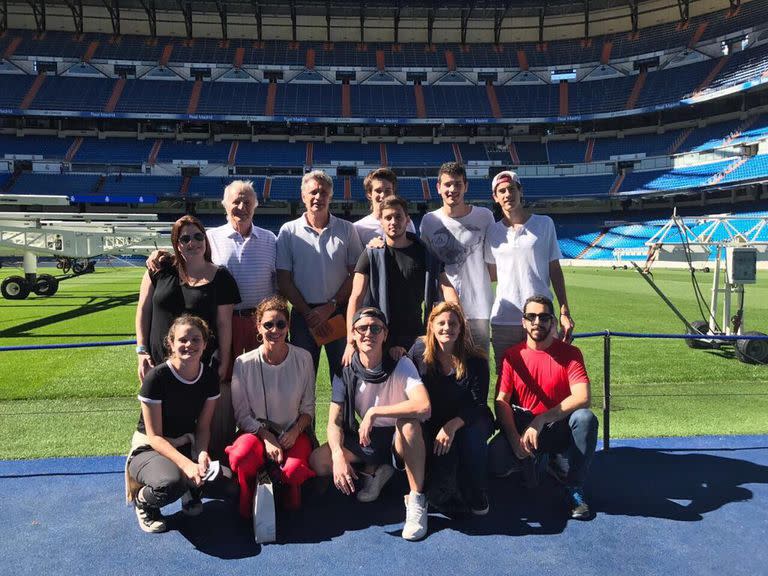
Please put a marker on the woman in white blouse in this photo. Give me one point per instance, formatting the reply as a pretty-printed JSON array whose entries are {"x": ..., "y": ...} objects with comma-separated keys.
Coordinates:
[{"x": 273, "y": 396}]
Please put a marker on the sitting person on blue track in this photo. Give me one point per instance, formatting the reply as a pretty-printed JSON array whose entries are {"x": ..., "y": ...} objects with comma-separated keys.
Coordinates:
[
  {"x": 542, "y": 404},
  {"x": 169, "y": 450},
  {"x": 402, "y": 278},
  {"x": 456, "y": 375},
  {"x": 391, "y": 401}
]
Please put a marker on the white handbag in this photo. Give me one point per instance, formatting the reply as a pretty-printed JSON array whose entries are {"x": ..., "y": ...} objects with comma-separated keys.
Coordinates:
[{"x": 264, "y": 525}]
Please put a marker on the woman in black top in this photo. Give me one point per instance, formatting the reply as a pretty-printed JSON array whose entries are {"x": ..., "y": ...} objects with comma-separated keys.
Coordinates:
[
  {"x": 192, "y": 285},
  {"x": 169, "y": 450},
  {"x": 456, "y": 376}
]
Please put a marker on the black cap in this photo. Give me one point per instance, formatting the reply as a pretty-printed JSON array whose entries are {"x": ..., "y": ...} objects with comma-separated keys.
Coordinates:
[{"x": 369, "y": 312}]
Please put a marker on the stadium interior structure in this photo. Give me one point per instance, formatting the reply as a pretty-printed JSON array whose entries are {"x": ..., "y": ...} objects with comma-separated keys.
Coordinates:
[{"x": 612, "y": 112}]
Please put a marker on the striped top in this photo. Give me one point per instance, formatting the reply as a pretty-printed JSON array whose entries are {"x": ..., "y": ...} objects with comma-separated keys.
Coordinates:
[{"x": 251, "y": 260}]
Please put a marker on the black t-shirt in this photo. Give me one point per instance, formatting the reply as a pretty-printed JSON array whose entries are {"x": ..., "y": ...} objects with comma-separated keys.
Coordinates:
[
  {"x": 406, "y": 273},
  {"x": 171, "y": 299},
  {"x": 449, "y": 396},
  {"x": 181, "y": 400}
]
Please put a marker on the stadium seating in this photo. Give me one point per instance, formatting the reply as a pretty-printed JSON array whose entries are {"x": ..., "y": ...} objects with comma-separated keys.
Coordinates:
[
  {"x": 115, "y": 151},
  {"x": 55, "y": 184},
  {"x": 131, "y": 185}
]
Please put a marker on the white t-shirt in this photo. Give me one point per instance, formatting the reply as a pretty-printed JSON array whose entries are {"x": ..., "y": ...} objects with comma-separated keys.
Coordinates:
[
  {"x": 404, "y": 378},
  {"x": 522, "y": 258},
  {"x": 319, "y": 262},
  {"x": 369, "y": 227},
  {"x": 458, "y": 242}
]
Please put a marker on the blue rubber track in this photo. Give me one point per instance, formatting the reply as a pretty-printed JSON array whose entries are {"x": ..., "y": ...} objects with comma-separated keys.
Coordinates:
[{"x": 665, "y": 506}]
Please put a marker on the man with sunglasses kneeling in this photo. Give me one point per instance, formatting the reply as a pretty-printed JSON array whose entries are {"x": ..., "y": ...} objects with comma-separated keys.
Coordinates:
[
  {"x": 542, "y": 405},
  {"x": 391, "y": 401}
]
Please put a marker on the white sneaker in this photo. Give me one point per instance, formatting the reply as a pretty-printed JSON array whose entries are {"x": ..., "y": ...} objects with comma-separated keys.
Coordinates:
[
  {"x": 373, "y": 483},
  {"x": 415, "y": 516}
]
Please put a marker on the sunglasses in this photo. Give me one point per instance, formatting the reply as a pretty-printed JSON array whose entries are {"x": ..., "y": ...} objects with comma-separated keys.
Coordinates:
[
  {"x": 187, "y": 238},
  {"x": 544, "y": 317},
  {"x": 280, "y": 325},
  {"x": 374, "y": 329}
]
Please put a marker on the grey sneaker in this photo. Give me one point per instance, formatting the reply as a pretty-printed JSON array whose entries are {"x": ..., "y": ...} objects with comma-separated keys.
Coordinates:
[
  {"x": 579, "y": 507},
  {"x": 373, "y": 483},
  {"x": 191, "y": 505},
  {"x": 415, "y": 527},
  {"x": 150, "y": 518}
]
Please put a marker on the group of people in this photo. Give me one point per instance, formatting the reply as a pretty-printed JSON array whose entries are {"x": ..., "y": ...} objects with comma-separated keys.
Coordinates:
[{"x": 406, "y": 321}]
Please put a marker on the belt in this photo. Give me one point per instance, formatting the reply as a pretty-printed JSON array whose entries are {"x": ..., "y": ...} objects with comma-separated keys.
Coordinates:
[{"x": 245, "y": 312}]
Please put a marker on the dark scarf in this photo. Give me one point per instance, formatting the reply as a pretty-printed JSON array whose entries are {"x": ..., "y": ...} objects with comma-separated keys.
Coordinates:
[{"x": 355, "y": 373}]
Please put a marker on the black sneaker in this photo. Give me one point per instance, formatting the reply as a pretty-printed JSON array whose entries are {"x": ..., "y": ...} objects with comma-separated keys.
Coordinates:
[
  {"x": 191, "y": 504},
  {"x": 150, "y": 518},
  {"x": 478, "y": 503},
  {"x": 579, "y": 507}
]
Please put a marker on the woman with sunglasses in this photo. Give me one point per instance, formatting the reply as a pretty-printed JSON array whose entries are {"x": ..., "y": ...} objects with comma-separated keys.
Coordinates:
[
  {"x": 456, "y": 375},
  {"x": 192, "y": 285},
  {"x": 273, "y": 396}
]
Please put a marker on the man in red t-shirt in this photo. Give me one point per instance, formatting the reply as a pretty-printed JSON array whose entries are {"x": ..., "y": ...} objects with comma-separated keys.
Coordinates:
[{"x": 542, "y": 404}]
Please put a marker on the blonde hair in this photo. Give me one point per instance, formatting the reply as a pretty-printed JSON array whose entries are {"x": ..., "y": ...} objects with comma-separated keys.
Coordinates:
[{"x": 464, "y": 347}]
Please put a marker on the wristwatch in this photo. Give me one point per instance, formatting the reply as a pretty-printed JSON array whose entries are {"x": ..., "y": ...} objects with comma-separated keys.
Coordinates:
[{"x": 141, "y": 350}]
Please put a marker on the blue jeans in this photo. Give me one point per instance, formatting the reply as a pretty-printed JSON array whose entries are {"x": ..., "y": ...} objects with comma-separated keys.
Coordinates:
[
  {"x": 571, "y": 441},
  {"x": 302, "y": 337}
]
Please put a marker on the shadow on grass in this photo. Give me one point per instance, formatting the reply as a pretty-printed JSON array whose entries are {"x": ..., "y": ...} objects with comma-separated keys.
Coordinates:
[{"x": 93, "y": 307}]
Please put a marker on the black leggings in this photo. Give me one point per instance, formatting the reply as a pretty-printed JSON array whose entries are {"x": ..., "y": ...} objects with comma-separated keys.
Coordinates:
[{"x": 166, "y": 482}]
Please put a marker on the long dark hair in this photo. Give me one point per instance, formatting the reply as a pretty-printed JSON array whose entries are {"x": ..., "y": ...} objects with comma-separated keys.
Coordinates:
[{"x": 181, "y": 265}]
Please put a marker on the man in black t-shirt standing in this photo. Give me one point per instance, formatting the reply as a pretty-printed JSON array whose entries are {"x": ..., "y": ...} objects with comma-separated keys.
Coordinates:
[{"x": 398, "y": 279}]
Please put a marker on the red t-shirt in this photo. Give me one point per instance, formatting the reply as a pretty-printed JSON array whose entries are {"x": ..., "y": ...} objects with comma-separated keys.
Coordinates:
[{"x": 538, "y": 380}]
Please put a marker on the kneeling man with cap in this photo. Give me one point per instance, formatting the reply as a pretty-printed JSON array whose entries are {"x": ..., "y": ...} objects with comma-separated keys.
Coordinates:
[{"x": 391, "y": 401}]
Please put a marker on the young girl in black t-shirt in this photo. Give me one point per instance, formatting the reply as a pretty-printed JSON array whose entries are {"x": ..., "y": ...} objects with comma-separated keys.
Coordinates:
[{"x": 169, "y": 456}]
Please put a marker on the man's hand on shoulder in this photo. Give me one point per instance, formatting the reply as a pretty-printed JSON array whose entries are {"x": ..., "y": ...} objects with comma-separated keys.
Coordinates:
[{"x": 158, "y": 260}]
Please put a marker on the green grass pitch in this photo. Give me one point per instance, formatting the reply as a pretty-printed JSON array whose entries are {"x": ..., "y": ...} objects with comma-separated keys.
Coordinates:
[{"x": 83, "y": 401}]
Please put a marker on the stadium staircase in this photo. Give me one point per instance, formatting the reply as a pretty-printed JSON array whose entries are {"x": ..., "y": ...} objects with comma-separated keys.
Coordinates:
[
  {"x": 166, "y": 55},
  {"x": 99, "y": 184},
  {"x": 697, "y": 35},
  {"x": 12, "y": 47},
  {"x": 380, "y": 61},
  {"x": 383, "y": 154},
  {"x": 267, "y": 188},
  {"x": 309, "y": 155},
  {"x": 232, "y": 156},
  {"x": 114, "y": 98},
  {"x": 457, "y": 153},
  {"x": 513, "y": 154},
  {"x": 184, "y": 190},
  {"x": 32, "y": 92},
  {"x": 347, "y": 188},
  {"x": 89, "y": 53},
  {"x": 309, "y": 63},
  {"x": 717, "y": 178},
  {"x": 594, "y": 244},
  {"x": 421, "y": 108},
  {"x": 237, "y": 61},
  {"x": 74, "y": 147},
  {"x": 522, "y": 59},
  {"x": 589, "y": 151},
  {"x": 346, "y": 100},
  {"x": 450, "y": 60},
  {"x": 425, "y": 188},
  {"x": 269, "y": 106},
  {"x": 152, "y": 160},
  {"x": 679, "y": 141},
  {"x": 194, "y": 97},
  {"x": 605, "y": 55},
  {"x": 563, "y": 98},
  {"x": 712, "y": 74},
  {"x": 743, "y": 127},
  {"x": 492, "y": 99},
  {"x": 636, "y": 89},
  {"x": 616, "y": 186},
  {"x": 12, "y": 180}
]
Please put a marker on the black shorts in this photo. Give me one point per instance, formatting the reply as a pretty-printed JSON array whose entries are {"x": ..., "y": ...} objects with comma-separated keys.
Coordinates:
[{"x": 381, "y": 449}]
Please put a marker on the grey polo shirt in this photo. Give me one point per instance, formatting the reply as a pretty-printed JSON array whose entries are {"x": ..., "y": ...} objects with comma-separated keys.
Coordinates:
[{"x": 319, "y": 262}]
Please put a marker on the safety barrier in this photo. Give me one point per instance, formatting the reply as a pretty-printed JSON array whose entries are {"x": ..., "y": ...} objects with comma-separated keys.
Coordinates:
[{"x": 605, "y": 334}]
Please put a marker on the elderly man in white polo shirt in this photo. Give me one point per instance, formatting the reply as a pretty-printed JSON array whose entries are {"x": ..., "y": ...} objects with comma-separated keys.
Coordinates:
[
  {"x": 316, "y": 255},
  {"x": 249, "y": 253}
]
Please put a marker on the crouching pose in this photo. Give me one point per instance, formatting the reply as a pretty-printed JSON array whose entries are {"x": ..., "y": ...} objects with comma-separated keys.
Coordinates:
[
  {"x": 391, "y": 401},
  {"x": 169, "y": 450},
  {"x": 455, "y": 373},
  {"x": 273, "y": 396},
  {"x": 543, "y": 407}
]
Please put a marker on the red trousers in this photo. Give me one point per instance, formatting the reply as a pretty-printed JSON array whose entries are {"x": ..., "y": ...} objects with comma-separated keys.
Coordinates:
[
  {"x": 244, "y": 339},
  {"x": 247, "y": 456}
]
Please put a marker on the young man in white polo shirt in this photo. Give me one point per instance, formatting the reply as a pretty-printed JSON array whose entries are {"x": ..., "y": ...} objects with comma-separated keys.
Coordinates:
[
  {"x": 456, "y": 233},
  {"x": 316, "y": 254}
]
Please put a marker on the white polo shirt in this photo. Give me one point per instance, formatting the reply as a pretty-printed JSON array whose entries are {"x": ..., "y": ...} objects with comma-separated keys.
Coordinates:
[
  {"x": 250, "y": 260},
  {"x": 319, "y": 262},
  {"x": 522, "y": 258}
]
